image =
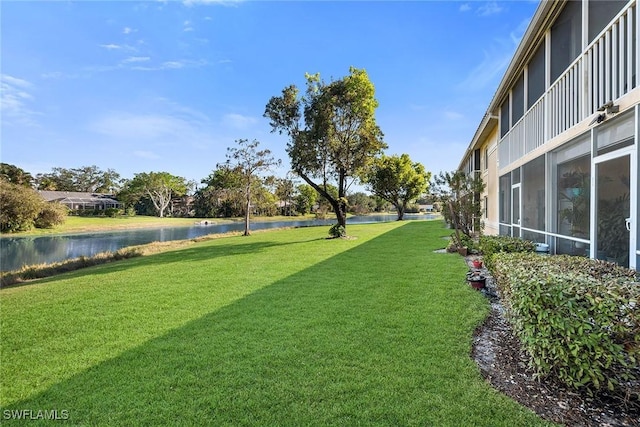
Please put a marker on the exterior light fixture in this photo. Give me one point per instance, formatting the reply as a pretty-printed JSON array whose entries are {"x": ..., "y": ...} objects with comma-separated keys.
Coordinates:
[
  {"x": 605, "y": 109},
  {"x": 609, "y": 108},
  {"x": 598, "y": 119}
]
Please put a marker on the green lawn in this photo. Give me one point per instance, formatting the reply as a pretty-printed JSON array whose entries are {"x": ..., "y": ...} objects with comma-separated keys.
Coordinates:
[{"x": 279, "y": 328}]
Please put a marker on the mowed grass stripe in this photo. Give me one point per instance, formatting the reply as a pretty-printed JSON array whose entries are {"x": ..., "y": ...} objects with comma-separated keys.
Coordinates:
[
  {"x": 62, "y": 325},
  {"x": 282, "y": 328}
]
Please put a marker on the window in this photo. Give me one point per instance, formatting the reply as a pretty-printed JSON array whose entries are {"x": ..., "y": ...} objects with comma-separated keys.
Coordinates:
[
  {"x": 601, "y": 12},
  {"x": 504, "y": 118},
  {"x": 535, "y": 77},
  {"x": 486, "y": 207},
  {"x": 566, "y": 35},
  {"x": 517, "y": 101},
  {"x": 515, "y": 176},
  {"x": 486, "y": 158},
  {"x": 505, "y": 199},
  {"x": 573, "y": 193},
  {"x": 533, "y": 194}
]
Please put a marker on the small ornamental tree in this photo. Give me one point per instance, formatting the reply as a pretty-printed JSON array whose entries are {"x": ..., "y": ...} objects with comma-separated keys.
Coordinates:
[
  {"x": 249, "y": 162},
  {"x": 459, "y": 195}
]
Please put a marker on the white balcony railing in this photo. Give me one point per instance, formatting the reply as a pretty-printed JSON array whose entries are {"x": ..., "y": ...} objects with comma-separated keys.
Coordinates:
[{"x": 604, "y": 72}]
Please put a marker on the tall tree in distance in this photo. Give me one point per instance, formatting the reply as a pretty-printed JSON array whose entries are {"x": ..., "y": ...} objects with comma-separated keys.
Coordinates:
[
  {"x": 221, "y": 196},
  {"x": 285, "y": 189},
  {"x": 159, "y": 187},
  {"x": 15, "y": 175},
  {"x": 305, "y": 198},
  {"x": 249, "y": 162},
  {"x": 398, "y": 180},
  {"x": 333, "y": 135},
  {"x": 88, "y": 179}
]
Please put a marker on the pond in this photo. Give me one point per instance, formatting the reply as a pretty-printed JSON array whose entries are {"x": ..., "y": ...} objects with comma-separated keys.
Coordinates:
[{"x": 16, "y": 252}]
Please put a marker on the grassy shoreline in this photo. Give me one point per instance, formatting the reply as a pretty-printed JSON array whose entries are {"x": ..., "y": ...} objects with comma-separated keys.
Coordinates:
[
  {"x": 77, "y": 225},
  {"x": 280, "y": 328}
]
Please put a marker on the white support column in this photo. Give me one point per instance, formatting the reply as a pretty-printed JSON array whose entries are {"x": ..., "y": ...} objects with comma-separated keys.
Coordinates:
[{"x": 637, "y": 56}]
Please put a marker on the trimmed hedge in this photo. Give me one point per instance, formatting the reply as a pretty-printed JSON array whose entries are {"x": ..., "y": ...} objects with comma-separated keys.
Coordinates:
[
  {"x": 577, "y": 319},
  {"x": 491, "y": 245}
]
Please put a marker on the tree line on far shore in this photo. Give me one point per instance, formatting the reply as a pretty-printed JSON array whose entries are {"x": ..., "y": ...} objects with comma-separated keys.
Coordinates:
[{"x": 219, "y": 195}]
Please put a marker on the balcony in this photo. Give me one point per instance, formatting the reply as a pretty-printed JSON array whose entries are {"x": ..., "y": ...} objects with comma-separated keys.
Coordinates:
[{"x": 605, "y": 71}]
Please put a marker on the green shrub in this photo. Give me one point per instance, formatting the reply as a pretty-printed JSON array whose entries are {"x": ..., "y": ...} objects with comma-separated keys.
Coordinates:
[
  {"x": 19, "y": 207},
  {"x": 577, "y": 319},
  {"x": 113, "y": 212},
  {"x": 52, "y": 214},
  {"x": 337, "y": 230},
  {"x": 491, "y": 245}
]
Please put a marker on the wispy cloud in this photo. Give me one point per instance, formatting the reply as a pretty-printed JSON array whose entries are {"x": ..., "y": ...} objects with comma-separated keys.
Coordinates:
[
  {"x": 516, "y": 35},
  {"x": 136, "y": 59},
  {"x": 453, "y": 115},
  {"x": 162, "y": 124},
  {"x": 113, "y": 46},
  {"x": 144, "y": 154},
  {"x": 238, "y": 121},
  {"x": 56, "y": 75},
  {"x": 494, "y": 63},
  {"x": 489, "y": 8},
  {"x": 465, "y": 7},
  {"x": 15, "y": 100},
  {"x": 212, "y": 2},
  {"x": 128, "y": 30},
  {"x": 173, "y": 64},
  {"x": 495, "y": 60},
  {"x": 187, "y": 26},
  {"x": 168, "y": 65},
  {"x": 143, "y": 127}
]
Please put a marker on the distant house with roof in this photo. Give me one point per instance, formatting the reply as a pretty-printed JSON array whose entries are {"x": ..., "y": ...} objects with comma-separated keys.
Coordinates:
[{"x": 81, "y": 201}]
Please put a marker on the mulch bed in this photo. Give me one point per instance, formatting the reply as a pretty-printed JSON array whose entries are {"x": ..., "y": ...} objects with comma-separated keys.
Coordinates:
[{"x": 498, "y": 355}]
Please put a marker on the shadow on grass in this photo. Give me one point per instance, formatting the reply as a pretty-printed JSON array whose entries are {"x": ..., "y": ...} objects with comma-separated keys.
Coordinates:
[{"x": 377, "y": 335}]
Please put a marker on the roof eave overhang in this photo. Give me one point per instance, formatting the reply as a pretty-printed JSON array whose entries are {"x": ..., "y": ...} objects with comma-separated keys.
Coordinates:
[{"x": 543, "y": 17}]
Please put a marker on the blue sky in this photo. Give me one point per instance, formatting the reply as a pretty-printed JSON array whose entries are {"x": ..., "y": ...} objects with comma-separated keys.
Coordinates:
[{"x": 169, "y": 85}]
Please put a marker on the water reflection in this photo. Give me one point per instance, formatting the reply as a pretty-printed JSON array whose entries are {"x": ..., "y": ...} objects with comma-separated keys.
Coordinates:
[{"x": 16, "y": 252}]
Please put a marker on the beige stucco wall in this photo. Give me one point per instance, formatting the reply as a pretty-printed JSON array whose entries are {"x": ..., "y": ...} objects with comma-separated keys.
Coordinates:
[{"x": 490, "y": 177}]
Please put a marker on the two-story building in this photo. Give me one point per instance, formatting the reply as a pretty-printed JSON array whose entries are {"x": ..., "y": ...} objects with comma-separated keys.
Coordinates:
[{"x": 558, "y": 145}]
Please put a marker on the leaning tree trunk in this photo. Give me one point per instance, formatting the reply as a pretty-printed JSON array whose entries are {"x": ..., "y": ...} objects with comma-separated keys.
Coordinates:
[
  {"x": 340, "y": 210},
  {"x": 341, "y": 204},
  {"x": 400, "y": 210},
  {"x": 339, "y": 207}
]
